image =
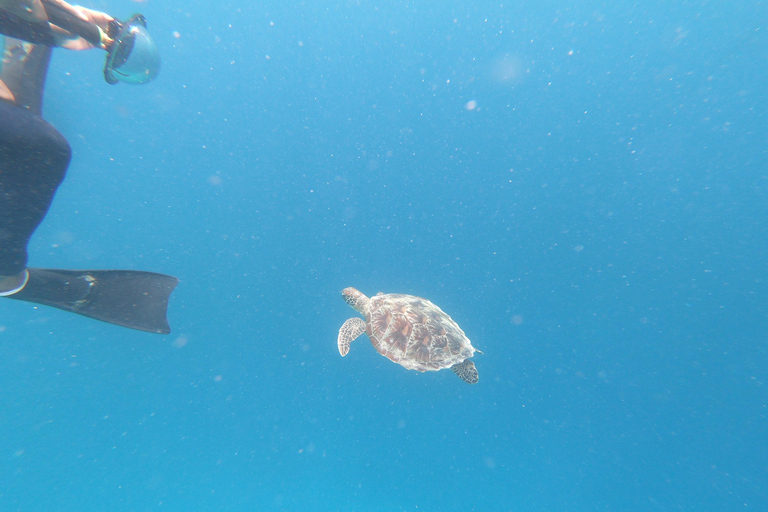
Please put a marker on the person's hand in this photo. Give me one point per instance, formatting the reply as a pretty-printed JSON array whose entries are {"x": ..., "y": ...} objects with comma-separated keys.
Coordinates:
[
  {"x": 72, "y": 42},
  {"x": 98, "y": 18}
]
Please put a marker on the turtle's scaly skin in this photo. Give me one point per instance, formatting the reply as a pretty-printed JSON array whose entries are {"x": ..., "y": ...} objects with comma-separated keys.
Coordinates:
[{"x": 410, "y": 331}]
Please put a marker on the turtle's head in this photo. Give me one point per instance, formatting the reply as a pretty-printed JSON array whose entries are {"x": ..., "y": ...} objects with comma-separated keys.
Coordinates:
[{"x": 355, "y": 298}]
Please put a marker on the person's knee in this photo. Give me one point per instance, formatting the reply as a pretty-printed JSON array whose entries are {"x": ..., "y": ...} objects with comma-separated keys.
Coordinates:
[
  {"x": 59, "y": 146},
  {"x": 57, "y": 152}
]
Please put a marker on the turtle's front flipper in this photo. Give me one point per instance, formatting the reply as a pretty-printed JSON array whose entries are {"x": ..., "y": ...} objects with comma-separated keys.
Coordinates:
[
  {"x": 351, "y": 329},
  {"x": 466, "y": 371}
]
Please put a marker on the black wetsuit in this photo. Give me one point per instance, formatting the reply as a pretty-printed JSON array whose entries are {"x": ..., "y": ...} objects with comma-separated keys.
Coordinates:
[
  {"x": 31, "y": 31},
  {"x": 34, "y": 156}
]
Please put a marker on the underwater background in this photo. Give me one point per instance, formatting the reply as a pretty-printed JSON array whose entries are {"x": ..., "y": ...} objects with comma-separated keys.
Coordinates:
[{"x": 582, "y": 186}]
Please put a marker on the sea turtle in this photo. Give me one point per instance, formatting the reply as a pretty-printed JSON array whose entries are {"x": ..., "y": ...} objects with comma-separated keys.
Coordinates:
[{"x": 410, "y": 331}]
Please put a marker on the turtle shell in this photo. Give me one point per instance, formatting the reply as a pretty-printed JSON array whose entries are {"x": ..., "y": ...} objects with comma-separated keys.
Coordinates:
[{"x": 415, "y": 333}]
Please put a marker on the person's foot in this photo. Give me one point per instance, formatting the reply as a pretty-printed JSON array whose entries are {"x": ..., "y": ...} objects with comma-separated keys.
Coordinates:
[{"x": 13, "y": 284}]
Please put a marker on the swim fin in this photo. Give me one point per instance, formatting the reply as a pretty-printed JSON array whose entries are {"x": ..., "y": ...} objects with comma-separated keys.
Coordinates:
[{"x": 130, "y": 298}]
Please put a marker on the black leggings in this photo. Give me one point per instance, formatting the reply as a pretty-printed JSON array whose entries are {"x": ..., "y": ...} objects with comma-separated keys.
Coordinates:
[{"x": 34, "y": 158}]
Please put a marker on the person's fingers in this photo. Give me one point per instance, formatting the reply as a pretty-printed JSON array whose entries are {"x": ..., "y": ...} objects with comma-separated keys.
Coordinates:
[{"x": 99, "y": 18}]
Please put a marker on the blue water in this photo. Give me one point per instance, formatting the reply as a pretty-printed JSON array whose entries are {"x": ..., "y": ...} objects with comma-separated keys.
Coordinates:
[{"x": 584, "y": 189}]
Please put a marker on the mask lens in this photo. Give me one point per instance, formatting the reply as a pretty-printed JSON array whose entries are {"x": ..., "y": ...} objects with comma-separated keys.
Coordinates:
[{"x": 133, "y": 57}]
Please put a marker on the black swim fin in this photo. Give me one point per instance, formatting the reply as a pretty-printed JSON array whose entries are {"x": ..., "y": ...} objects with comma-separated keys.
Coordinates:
[{"x": 130, "y": 298}]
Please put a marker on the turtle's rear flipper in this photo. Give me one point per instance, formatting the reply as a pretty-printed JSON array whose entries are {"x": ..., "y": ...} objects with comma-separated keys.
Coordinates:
[
  {"x": 130, "y": 298},
  {"x": 466, "y": 371}
]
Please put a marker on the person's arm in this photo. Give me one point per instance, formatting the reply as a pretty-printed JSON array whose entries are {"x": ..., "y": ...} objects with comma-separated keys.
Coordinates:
[
  {"x": 66, "y": 36},
  {"x": 6, "y": 94},
  {"x": 25, "y": 19},
  {"x": 29, "y": 20},
  {"x": 29, "y": 10}
]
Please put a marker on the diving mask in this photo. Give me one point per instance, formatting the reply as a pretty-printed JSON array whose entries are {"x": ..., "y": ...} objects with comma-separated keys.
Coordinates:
[{"x": 132, "y": 57}]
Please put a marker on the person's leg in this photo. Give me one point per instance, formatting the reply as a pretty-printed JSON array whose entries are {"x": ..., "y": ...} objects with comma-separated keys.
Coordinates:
[{"x": 34, "y": 158}]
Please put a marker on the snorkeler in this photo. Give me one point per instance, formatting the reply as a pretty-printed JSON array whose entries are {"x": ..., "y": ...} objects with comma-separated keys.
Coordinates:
[{"x": 34, "y": 158}]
